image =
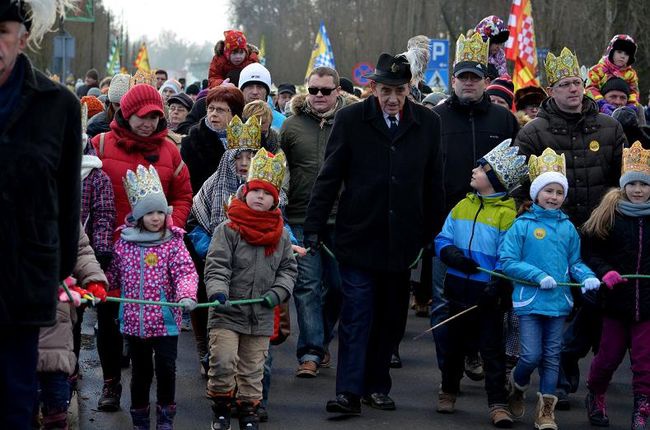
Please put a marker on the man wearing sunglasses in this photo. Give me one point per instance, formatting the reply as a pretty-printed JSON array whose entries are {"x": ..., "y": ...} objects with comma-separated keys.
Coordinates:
[
  {"x": 303, "y": 138},
  {"x": 40, "y": 159},
  {"x": 569, "y": 123},
  {"x": 383, "y": 153}
]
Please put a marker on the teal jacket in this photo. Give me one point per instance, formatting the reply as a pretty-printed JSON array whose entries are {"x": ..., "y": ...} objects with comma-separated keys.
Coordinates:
[{"x": 543, "y": 243}]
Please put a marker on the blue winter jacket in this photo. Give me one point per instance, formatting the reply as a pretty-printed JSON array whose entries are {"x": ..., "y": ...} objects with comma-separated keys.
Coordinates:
[{"x": 543, "y": 243}]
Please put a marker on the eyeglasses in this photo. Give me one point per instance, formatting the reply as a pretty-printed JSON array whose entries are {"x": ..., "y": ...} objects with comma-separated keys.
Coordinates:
[
  {"x": 324, "y": 91},
  {"x": 565, "y": 85},
  {"x": 218, "y": 111}
]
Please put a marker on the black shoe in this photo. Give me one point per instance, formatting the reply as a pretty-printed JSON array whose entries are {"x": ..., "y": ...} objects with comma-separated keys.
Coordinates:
[
  {"x": 395, "y": 361},
  {"x": 262, "y": 414},
  {"x": 110, "y": 398},
  {"x": 221, "y": 413},
  {"x": 345, "y": 403},
  {"x": 248, "y": 418},
  {"x": 563, "y": 403},
  {"x": 379, "y": 401}
]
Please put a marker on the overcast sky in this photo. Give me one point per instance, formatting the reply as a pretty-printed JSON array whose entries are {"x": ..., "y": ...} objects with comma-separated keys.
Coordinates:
[{"x": 193, "y": 20}]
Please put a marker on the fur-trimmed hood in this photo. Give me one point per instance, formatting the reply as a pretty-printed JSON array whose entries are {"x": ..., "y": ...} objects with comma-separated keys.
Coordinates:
[{"x": 299, "y": 103}]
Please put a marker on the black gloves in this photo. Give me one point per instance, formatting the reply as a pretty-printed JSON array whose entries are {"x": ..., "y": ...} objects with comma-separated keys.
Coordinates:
[
  {"x": 219, "y": 297},
  {"x": 311, "y": 242},
  {"x": 497, "y": 294},
  {"x": 104, "y": 259},
  {"x": 271, "y": 299},
  {"x": 454, "y": 258}
]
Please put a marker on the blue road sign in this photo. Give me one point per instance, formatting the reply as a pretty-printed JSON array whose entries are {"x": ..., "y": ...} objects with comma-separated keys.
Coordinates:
[
  {"x": 359, "y": 73},
  {"x": 437, "y": 73}
]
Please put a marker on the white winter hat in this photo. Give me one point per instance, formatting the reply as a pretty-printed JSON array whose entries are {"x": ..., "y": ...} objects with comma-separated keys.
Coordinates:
[
  {"x": 255, "y": 72},
  {"x": 119, "y": 86},
  {"x": 548, "y": 178}
]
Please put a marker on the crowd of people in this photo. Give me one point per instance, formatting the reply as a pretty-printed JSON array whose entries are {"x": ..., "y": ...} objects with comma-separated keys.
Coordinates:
[{"x": 520, "y": 213}]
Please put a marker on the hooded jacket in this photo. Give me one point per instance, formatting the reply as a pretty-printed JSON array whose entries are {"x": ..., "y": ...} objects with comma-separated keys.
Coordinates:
[
  {"x": 469, "y": 131},
  {"x": 303, "y": 139},
  {"x": 592, "y": 144},
  {"x": 543, "y": 243},
  {"x": 604, "y": 70}
]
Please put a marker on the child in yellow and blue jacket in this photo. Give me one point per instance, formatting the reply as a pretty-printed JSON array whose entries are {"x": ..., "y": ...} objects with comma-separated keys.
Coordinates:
[{"x": 471, "y": 238}]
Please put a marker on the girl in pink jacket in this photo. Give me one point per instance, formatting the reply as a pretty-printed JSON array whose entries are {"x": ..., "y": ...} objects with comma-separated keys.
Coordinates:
[{"x": 151, "y": 263}]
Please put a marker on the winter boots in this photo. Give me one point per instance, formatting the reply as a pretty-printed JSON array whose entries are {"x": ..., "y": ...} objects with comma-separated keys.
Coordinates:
[
  {"x": 545, "y": 412},
  {"x": 165, "y": 417},
  {"x": 641, "y": 412},
  {"x": 55, "y": 420},
  {"x": 248, "y": 419},
  {"x": 596, "y": 409},
  {"x": 516, "y": 397},
  {"x": 446, "y": 402},
  {"x": 221, "y": 406},
  {"x": 111, "y": 394},
  {"x": 140, "y": 418},
  {"x": 501, "y": 417}
]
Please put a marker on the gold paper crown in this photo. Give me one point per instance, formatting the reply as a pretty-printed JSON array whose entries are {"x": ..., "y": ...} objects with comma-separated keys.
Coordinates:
[
  {"x": 549, "y": 161},
  {"x": 564, "y": 66},
  {"x": 244, "y": 136},
  {"x": 268, "y": 168},
  {"x": 141, "y": 184},
  {"x": 636, "y": 159},
  {"x": 472, "y": 49},
  {"x": 143, "y": 77}
]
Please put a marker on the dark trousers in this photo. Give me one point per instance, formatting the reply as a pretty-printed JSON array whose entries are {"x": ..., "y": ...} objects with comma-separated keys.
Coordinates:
[
  {"x": 148, "y": 355},
  {"x": 373, "y": 319},
  {"x": 54, "y": 392},
  {"x": 109, "y": 340},
  {"x": 487, "y": 325},
  {"x": 18, "y": 356},
  {"x": 581, "y": 335},
  {"x": 422, "y": 289}
]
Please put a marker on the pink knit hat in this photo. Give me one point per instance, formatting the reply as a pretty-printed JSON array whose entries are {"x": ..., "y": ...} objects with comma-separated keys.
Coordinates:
[{"x": 141, "y": 100}]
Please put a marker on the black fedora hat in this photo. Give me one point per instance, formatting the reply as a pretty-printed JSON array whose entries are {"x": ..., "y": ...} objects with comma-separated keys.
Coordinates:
[{"x": 391, "y": 70}]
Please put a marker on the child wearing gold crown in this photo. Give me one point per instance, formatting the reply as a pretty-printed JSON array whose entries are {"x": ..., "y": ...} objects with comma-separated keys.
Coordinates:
[
  {"x": 151, "y": 262},
  {"x": 471, "y": 237},
  {"x": 250, "y": 256},
  {"x": 620, "y": 243},
  {"x": 542, "y": 249}
]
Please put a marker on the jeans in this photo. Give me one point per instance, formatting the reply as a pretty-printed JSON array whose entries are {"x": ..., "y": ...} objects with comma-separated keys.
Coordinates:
[
  {"x": 164, "y": 350},
  {"x": 439, "y": 310},
  {"x": 540, "y": 340},
  {"x": 109, "y": 340},
  {"x": 266, "y": 381},
  {"x": 618, "y": 336},
  {"x": 373, "y": 319},
  {"x": 54, "y": 392},
  {"x": 318, "y": 282},
  {"x": 18, "y": 356}
]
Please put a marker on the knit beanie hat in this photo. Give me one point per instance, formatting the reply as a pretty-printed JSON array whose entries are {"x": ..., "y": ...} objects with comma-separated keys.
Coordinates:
[
  {"x": 548, "y": 178},
  {"x": 234, "y": 39},
  {"x": 503, "y": 88},
  {"x": 259, "y": 184},
  {"x": 141, "y": 100},
  {"x": 94, "y": 91},
  {"x": 94, "y": 105},
  {"x": 118, "y": 87},
  {"x": 171, "y": 84},
  {"x": 615, "y": 84}
]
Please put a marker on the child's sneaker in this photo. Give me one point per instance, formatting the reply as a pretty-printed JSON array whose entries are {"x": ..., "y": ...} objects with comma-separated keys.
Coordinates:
[
  {"x": 474, "y": 368},
  {"x": 221, "y": 413},
  {"x": 248, "y": 419},
  {"x": 446, "y": 403},
  {"x": 641, "y": 412},
  {"x": 109, "y": 401},
  {"x": 501, "y": 417}
]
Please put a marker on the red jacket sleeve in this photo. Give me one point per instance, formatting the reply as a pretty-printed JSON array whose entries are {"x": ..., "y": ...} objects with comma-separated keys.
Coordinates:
[
  {"x": 179, "y": 195},
  {"x": 217, "y": 73}
]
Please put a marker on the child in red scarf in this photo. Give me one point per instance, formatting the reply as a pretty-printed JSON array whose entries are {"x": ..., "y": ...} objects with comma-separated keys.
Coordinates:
[{"x": 250, "y": 256}]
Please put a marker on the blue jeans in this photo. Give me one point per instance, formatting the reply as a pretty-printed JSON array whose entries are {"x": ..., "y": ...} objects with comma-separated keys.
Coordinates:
[
  {"x": 318, "y": 282},
  {"x": 266, "y": 380},
  {"x": 540, "y": 338},
  {"x": 54, "y": 392},
  {"x": 439, "y": 310}
]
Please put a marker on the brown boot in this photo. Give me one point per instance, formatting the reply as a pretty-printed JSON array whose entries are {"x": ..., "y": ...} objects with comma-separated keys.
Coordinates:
[
  {"x": 500, "y": 417},
  {"x": 545, "y": 412},
  {"x": 446, "y": 402},
  {"x": 516, "y": 397}
]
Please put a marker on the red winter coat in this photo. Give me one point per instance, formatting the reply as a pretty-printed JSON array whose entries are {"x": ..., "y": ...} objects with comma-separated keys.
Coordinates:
[
  {"x": 122, "y": 150},
  {"x": 221, "y": 66}
]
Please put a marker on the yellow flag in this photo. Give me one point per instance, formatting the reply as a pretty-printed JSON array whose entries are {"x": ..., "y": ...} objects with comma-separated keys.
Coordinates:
[
  {"x": 322, "y": 54},
  {"x": 142, "y": 61}
]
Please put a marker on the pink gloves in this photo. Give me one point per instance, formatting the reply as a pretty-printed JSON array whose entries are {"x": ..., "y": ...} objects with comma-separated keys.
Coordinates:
[{"x": 612, "y": 278}]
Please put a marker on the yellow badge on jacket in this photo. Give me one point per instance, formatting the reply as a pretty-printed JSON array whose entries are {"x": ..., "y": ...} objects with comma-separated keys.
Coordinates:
[
  {"x": 594, "y": 145},
  {"x": 539, "y": 233},
  {"x": 151, "y": 259}
]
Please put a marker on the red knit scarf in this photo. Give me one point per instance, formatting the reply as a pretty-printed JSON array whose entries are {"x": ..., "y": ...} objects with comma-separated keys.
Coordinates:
[{"x": 259, "y": 228}]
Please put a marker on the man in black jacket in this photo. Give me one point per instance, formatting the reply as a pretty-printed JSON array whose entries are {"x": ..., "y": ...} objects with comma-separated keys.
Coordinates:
[
  {"x": 384, "y": 152},
  {"x": 40, "y": 159}
]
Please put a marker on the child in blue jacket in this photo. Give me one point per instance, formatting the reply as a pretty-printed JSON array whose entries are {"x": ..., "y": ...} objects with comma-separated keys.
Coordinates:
[
  {"x": 471, "y": 237},
  {"x": 542, "y": 249}
]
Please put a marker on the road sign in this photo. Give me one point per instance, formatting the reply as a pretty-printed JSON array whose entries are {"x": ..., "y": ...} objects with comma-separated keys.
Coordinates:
[
  {"x": 437, "y": 73},
  {"x": 359, "y": 73}
]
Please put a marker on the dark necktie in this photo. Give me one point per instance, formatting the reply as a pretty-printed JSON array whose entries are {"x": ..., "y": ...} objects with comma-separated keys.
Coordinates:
[{"x": 393, "y": 125}]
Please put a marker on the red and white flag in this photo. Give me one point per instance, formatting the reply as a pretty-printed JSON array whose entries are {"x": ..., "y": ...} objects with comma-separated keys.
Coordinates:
[{"x": 520, "y": 46}]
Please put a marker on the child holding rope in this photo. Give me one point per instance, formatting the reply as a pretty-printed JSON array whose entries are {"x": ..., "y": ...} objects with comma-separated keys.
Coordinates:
[
  {"x": 542, "y": 249},
  {"x": 620, "y": 243},
  {"x": 250, "y": 256},
  {"x": 151, "y": 262},
  {"x": 471, "y": 236}
]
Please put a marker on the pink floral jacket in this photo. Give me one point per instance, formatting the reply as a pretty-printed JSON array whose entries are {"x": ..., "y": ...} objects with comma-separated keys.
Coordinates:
[{"x": 163, "y": 272}]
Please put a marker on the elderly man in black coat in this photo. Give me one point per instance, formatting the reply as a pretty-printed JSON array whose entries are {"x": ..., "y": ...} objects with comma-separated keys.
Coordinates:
[
  {"x": 384, "y": 155},
  {"x": 40, "y": 161}
]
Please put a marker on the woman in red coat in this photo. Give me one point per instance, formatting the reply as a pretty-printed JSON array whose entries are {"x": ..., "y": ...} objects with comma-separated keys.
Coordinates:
[{"x": 138, "y": 136}]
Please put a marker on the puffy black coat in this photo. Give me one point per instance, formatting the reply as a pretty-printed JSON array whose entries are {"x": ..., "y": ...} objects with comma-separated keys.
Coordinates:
[
  {"x": 201, "y": 150},
  {"x": 40, "y": 161},
  {"x": 592, "y": 144},
  {"x": 392, "y": 200},
  {"x": 196, "y": 114},
  {"x": 469, "y": 131},
  {"x": 622, "y": 252}
]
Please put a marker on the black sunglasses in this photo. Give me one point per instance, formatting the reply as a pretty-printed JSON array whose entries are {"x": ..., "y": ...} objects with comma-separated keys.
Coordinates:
[{"x": 324, "y": 91}]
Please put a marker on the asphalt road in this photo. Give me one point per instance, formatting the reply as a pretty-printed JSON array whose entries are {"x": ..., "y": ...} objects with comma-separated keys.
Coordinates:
[{"x": 300, "y": 403}]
